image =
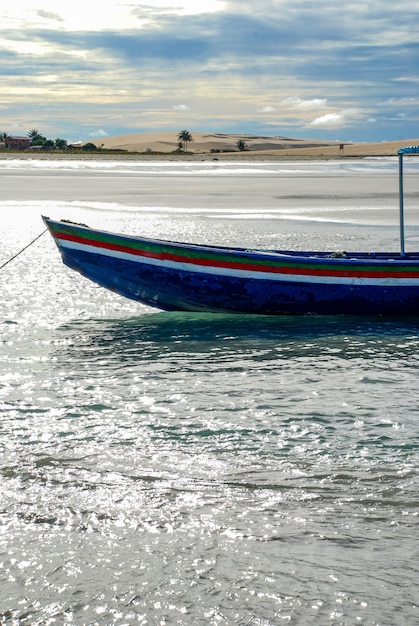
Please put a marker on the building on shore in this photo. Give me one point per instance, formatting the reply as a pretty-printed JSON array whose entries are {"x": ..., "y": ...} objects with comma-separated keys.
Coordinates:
[{"x": 17, "y": 143}]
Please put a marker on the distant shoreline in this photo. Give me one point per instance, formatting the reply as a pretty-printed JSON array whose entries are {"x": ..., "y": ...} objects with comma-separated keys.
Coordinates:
[
  {"x": 207, "y": 147},
  {"x": 133, "y": 156}
]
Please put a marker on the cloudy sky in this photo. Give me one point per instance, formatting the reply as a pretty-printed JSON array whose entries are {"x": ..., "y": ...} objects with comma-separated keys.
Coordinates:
[{"x": 325, "y": 69}]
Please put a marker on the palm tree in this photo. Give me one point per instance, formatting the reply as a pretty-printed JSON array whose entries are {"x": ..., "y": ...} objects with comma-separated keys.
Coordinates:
[
  {"x": 241, "y": 145},
  {"x": 3, "y": 136},
  {"x": 185, "y": 136},
  {"x": 33, "y": 134},
  {"x": 36, "y": 138}
]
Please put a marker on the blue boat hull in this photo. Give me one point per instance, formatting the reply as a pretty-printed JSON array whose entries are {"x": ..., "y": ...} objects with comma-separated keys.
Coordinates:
[{"x": 170, "y": 289}]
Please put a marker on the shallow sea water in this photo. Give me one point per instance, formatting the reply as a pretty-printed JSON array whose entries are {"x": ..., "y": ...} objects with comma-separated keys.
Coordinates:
[{"x": 169, "y": 468}]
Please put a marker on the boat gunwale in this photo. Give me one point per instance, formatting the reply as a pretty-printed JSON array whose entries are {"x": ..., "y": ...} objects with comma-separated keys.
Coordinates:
[{"x": 66, "y": 230}]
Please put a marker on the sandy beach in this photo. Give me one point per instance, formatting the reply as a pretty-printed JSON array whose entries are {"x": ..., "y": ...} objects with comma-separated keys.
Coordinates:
[{"x": 221, "y": 146}]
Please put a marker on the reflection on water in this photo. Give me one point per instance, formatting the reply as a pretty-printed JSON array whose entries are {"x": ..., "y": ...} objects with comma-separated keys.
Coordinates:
[
  {"x": 191, "y": 469},
  {"x": 144, "y": 336},
  {"x": 295, "y": 389}
]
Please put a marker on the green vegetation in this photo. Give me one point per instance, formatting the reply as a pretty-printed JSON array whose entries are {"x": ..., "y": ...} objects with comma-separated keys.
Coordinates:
[
  {"x": 34, "y": 140},
  {"x": 61, "y": 144},
  {"x": 90, "y": 147},
  {"x": 185, "y": 137},
  {"x": 241, "y": 145},
  {"x": 39, "y": 141}
]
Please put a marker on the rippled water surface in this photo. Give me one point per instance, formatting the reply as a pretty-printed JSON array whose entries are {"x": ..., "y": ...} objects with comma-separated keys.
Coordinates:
[{"x": 167, "y": 468}]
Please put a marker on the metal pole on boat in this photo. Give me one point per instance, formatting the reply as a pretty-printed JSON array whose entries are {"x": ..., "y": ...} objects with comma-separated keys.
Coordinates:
[
  {"x": 401, "y": 204},
  {"x": 401, "y": 152}
]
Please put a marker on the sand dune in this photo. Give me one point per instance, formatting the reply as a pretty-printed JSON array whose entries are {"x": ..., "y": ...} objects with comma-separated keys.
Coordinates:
[
  {"x": 221, "y": 146},
  {"x": 226, "y": 143},
  {"x": 204, "y": 142}
]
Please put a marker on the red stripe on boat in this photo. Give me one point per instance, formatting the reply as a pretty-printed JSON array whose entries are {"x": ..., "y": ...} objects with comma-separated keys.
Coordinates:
[{"x": 348, "y": 273}]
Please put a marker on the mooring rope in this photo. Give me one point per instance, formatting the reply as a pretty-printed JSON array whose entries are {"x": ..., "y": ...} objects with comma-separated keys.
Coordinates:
[{"x": 23, "y": 249}]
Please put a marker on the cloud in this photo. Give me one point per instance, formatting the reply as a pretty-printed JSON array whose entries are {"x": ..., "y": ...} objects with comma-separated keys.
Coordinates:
[
  {"x": 409, "y": 101},
  {"x": 330, "y": 120},
  {"x": 156, "y": 44},
  {"x": 267, "y": 109},
  {"x": 181, "y": 108},
  {"x": 98, "y": 133},
  {"x": 313, "y": 103},
  {"x": 338, "y": 119},
  {"x": 126, "y": 67},
  {"x": 48, "y": 15}
]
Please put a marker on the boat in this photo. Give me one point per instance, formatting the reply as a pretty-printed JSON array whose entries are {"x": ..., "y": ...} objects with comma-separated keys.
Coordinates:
[{"x": 177, "y": 276}]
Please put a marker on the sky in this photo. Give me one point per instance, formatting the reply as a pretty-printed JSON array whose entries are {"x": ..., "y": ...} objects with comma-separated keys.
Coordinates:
[{"x": 321, "y": 69}]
